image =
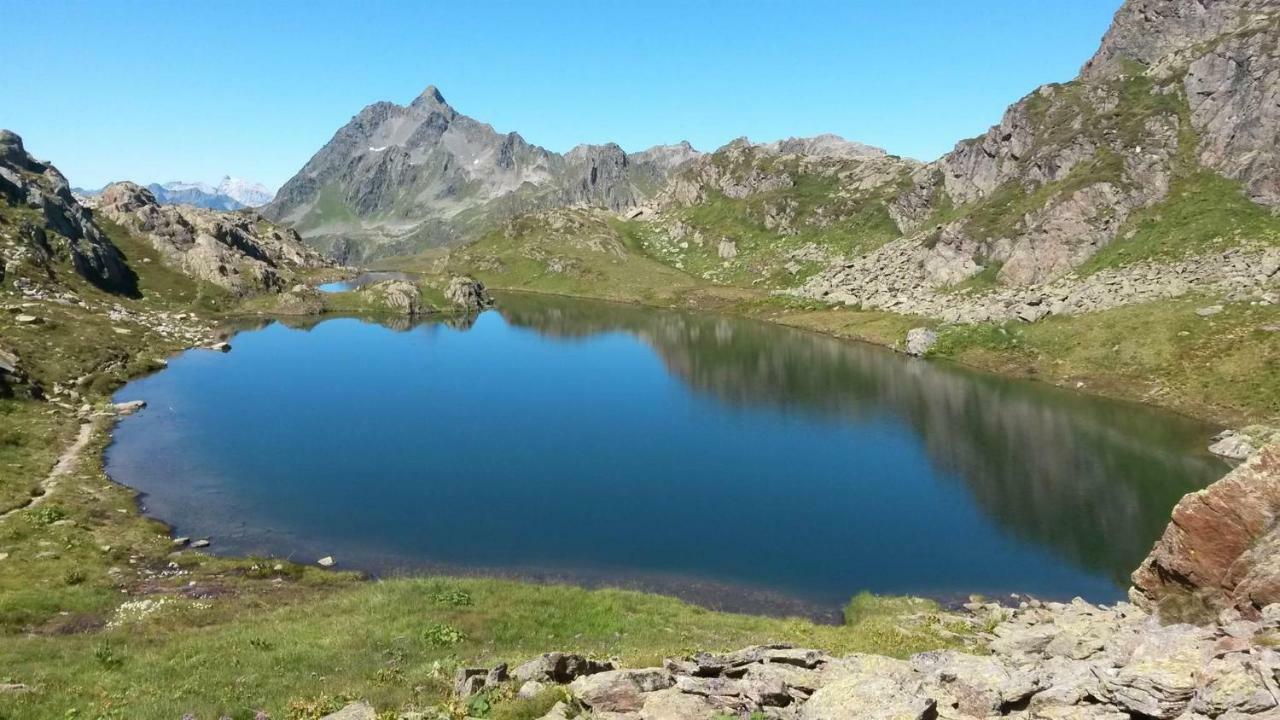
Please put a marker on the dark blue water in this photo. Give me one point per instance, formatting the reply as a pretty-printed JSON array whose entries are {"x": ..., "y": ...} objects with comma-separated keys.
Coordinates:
[{"x": 732, "y": 462}]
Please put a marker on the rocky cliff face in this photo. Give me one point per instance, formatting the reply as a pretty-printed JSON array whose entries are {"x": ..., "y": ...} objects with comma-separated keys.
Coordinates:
[
  {"x": 44, "y": 228},
  {"x": 239, "y": 251},
  {"x": 398, "y": 178},
  {"x": 1222, "y": 548}
]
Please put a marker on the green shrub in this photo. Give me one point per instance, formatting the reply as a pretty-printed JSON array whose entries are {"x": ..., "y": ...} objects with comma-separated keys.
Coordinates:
[{"x": 442, "y": 635}]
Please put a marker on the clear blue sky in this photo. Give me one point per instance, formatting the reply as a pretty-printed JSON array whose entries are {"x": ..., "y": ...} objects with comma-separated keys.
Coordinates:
[{"x": 157, "y": 91}]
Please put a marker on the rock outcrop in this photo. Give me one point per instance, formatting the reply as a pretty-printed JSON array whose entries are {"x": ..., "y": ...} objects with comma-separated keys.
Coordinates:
[
  {"x": 398, "y": 297},
  {"x": 1222, "y": 548},
  {"x": 238, "y": 251},
  {"x": 468, "y": 294},
  {"x": 47, "y": 227}
]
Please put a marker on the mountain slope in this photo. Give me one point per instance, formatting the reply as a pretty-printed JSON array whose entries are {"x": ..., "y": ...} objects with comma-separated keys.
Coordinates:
[
  {"x": 402, "y": 178},
  {"x": 1163, "y": 149}
]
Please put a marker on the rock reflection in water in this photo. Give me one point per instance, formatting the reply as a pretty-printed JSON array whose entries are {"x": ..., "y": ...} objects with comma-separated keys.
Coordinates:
[{"x": 1092, "y": 479}]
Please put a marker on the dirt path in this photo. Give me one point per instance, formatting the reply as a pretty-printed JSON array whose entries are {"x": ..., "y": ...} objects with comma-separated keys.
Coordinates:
[{"x": 66, "y": 463}]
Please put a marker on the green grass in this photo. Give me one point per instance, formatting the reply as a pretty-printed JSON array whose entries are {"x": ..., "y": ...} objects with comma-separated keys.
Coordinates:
[
  {"x": 30, "y": 439},
  {"x": 380, "y": 641},
  {"x": 1203, "y": 213},
  {"x": 329, "y": 211},
  {"x": 842, "y": 227},
  {"x": 595, "y": 256},
  {"x": 1226, "y": 367}
]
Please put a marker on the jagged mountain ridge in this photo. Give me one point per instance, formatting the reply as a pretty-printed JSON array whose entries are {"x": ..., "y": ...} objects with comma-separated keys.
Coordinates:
[
  {"x": 405, "y": 177},
  {"x": 1181, "y": 101}
]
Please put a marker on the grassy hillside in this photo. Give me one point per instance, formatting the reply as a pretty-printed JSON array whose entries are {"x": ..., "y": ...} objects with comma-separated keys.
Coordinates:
[{"x": 569, "y": 252}]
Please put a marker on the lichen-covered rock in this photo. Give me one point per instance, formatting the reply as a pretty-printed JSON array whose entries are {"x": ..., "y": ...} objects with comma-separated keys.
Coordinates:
[
  {"x": 620, "y": 690},
  {"x": 870, "y": 688},
  {"x": 1218, "y": 548}
]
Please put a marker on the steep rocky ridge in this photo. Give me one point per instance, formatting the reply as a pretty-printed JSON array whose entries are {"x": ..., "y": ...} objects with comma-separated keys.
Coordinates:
[
  {"x": 43, "y": 227},
  {"x": 398, "y": 178},
  {"x": 238, "y": 251},
  {"x": 1162, "y": 151}
]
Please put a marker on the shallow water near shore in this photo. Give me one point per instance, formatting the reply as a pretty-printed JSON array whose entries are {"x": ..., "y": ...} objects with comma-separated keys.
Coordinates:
[{"x": 741, "y": 465}]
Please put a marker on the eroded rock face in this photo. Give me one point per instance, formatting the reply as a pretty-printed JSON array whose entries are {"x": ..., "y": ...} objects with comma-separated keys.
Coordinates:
[
  {"x": 63, "y": 231},
  {"x": 239, "y": 251},
  {"x": 1220, "y": 549},
  {"x": 1234, "y": 94}
]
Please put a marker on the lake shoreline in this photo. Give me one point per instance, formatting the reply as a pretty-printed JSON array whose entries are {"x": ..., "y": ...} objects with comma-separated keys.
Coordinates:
[{"x": 783, "y": 603}]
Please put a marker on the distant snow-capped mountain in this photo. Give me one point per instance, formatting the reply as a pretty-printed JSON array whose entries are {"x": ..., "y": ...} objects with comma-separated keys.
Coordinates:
[
  {"x": 245, "y": 192},
  {"x": 229, "y": 194}
]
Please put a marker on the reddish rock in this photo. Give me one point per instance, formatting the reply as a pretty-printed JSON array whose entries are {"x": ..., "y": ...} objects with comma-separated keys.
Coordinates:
[{"x": 1222, "y": 546}]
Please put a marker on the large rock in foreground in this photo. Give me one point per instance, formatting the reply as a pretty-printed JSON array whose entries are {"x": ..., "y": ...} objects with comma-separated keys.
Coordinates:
[{"x": 1222, "y": 548}]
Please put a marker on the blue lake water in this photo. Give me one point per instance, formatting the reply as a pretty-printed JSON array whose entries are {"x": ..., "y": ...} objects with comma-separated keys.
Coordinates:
[
  {"x": 741, "y": 465},
  {"x": 365, "y": 278}
]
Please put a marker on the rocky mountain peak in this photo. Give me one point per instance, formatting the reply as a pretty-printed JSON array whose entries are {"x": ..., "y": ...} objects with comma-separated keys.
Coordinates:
[
  {"x": 431, "y": 100},
  {"x": 11, "y": 145},
  {"x": 1148, "y": 31}
]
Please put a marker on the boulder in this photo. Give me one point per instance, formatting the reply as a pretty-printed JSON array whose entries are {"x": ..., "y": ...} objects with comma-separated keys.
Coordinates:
[
  {"x": 360, "y": 710},
  {"x": 673, "y": 704},
  {"x": 1161, "y": 676},
  {"x": 620, "y": 690},
  {"x": 1217, "y": 550},
  {"x": 870, "y": 695},
  {"x": 128, "y": 408},
  {"x": 468, "y": 293},
  {"x": 558, "y": 667},
  {"x": 530, "y": 690},
  {"x": 1231, "y": 445},
  {"x": 920, "y": 340}
]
